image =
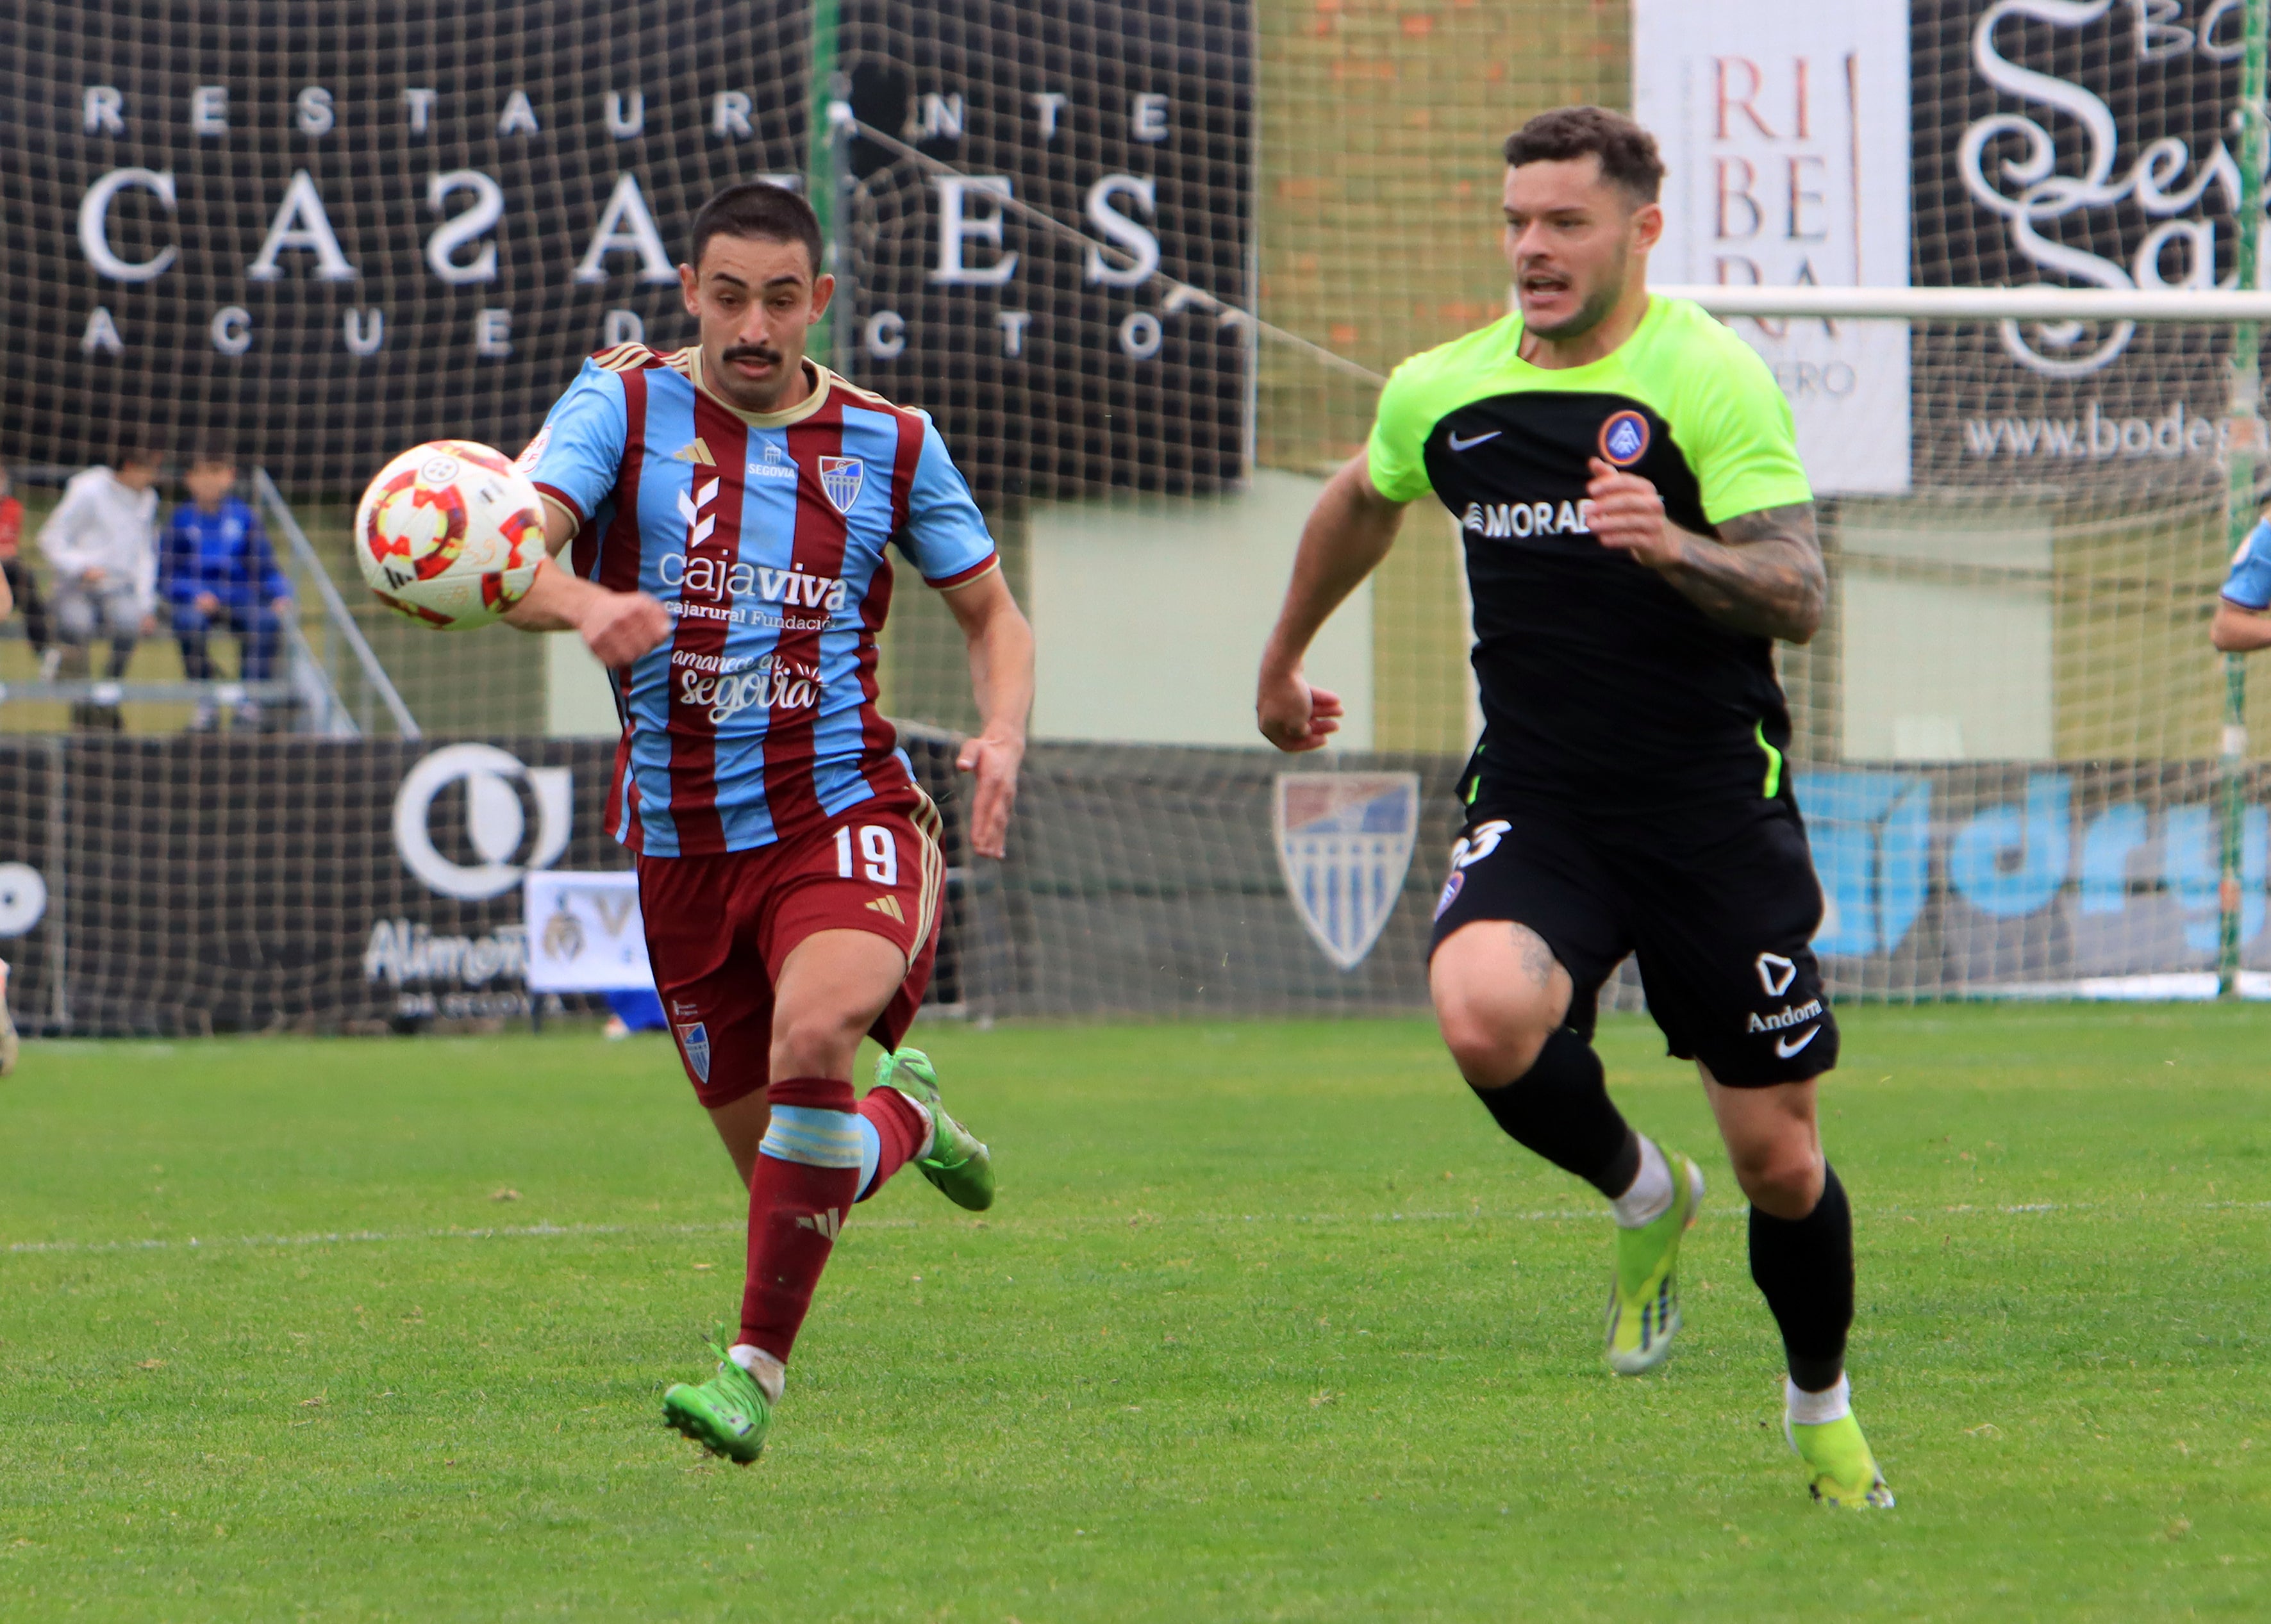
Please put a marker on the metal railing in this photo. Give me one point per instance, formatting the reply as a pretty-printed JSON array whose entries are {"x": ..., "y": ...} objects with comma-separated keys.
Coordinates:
[
  {"x": 327, "y": 664},
  {"x": 316, "y": 670}
]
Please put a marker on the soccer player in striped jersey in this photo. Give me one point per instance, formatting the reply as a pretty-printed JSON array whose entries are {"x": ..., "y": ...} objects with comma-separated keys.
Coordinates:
[{"x": 727, "y": 510}]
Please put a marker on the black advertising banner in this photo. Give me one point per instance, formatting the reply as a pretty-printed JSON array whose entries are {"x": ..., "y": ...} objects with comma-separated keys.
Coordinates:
[
  {"x": 328, "y": 231},
  {"x": 324, "y": 233},
  {"x": 202, "y": 883},
  {"x": 1057, "y": 366},
  {"x": 193, "y": 885},
  {"x": 2073, "y": 146}
]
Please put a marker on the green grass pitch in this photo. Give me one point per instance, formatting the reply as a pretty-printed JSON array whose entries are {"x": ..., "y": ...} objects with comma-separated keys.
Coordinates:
[{"x": 1269, "y": 1323}]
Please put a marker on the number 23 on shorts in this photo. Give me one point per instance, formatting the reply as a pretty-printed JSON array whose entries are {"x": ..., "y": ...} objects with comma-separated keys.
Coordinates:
[{"x": 877, "y": 854}]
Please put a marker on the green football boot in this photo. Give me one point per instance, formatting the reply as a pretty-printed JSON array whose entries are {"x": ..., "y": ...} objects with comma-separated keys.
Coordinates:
[
  {"x": 1839, "y": 1468},
  {"x": 1645, "y": 1301},
  {"x": 957, "y": 1161},
  {"x": 728, "y": 1415}
]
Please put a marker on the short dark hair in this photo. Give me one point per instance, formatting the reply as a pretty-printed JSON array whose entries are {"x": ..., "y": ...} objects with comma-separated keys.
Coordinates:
[
  {"x": 137, "y": 454},
  {"x": 1626, "y": 152},
  {"x": 758, "y": 209},
  {"x": 212, "y": 453}
]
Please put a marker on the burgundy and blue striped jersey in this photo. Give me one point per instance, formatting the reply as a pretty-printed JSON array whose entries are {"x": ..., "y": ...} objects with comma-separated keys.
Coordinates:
[{"x": 765, "y": 536}]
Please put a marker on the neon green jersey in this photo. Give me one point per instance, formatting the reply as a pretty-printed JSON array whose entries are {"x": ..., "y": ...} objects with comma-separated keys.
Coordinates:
[{"x": 1602, "y": 686}]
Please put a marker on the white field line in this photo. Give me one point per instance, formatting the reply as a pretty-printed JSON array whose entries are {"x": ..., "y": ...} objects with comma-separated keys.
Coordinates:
[{"x": 1144, "y": 1221}]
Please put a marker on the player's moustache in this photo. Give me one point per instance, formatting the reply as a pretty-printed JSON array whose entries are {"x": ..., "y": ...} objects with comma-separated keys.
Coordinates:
[{"x": 766, "y": 353}]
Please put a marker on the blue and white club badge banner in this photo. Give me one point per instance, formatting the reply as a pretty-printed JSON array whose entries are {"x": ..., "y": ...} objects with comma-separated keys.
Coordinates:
[
  {"x": 1345, "y": 844},
  {"x": 585, "y": 934}
]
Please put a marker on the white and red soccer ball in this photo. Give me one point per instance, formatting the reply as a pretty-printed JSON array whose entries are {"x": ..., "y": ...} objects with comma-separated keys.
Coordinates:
[{"x": 450, "y": 533}]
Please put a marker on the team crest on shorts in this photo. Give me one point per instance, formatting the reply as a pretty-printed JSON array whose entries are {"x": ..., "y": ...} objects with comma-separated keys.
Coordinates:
[
  {"x": 840, "y": 479},
  {"x": 694, "y": 1037},
  {"x": 1345, "y": 844},
  {"x": 1624, "y": 439}
]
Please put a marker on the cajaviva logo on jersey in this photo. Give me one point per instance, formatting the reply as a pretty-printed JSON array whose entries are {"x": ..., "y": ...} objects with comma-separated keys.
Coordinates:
[
  {"x": 706, "y": 581},
  {"x": 790, "y": 590}
]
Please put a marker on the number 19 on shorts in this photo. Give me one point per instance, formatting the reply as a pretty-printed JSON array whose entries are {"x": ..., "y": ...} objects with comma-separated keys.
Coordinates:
[{"x": 878, "y": 854}]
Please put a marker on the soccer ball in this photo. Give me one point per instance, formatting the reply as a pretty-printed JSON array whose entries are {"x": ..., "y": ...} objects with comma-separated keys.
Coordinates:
[{"x": 450, "y": 533}]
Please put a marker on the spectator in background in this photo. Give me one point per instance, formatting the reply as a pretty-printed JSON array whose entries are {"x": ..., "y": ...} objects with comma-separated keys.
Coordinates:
[
  {"x": 219, "y": 573},
  {"x": 17, "y": 584},
  {"x": 101, "y": 539}
]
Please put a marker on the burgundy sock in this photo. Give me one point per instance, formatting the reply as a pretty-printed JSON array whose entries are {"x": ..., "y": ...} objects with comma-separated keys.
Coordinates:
[
  {"x": 807, "y": 1174},
  {"x": 902, "y": 1131}
]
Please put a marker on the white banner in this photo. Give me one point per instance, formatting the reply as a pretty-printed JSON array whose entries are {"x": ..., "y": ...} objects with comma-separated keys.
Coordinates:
[
  {"x": 585, "y": 935},
  {"x": 1784, "y": 126}
]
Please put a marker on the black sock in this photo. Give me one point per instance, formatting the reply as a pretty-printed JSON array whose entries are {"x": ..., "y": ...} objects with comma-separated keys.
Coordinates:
[
  {"x": 1805, "y": 1266},
  {"x": 1559, "y": 1109}
]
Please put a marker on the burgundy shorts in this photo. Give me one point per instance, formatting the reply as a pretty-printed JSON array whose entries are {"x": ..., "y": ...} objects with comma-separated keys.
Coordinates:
[{"x": 719, "y": 928}]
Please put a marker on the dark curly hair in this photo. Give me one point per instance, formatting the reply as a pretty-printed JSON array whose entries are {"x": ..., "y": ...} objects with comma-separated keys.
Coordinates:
[
  {"x": 758, "y": 209},
  {"x": 1627, "y": 152}
]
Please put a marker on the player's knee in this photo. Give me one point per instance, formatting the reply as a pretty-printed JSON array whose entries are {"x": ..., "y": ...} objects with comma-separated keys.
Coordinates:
[
  {"x": 1492, "y": 1040},
  {"x": 1782, "y": 1177},
  {"x": 816, "y": 1042}
]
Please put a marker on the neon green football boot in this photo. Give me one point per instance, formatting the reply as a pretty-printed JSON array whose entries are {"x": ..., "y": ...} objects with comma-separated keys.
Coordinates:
[
  {"x": 728, "y": 1415},
  {"x": 1839, "y": 1468},
  {"x": 957, "y": 1161},
  {"x": 1644, "y": 1300}
]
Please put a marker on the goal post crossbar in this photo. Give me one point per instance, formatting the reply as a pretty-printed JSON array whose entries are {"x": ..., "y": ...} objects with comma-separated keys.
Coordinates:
[{"x": 2195, "y": 305}]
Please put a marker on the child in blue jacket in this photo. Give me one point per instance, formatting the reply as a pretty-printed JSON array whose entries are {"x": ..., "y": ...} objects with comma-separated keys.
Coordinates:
[{"x": 218, "y": 574}]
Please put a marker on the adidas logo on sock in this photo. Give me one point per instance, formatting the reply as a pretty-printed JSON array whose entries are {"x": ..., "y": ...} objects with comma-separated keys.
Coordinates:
[
  {"x": 827, "y": 1222},
  {"x": 889, "y": 906}
]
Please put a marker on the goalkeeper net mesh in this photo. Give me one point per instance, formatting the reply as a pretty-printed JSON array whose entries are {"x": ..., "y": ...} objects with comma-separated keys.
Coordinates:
[{"x": 1146, "y": 263}]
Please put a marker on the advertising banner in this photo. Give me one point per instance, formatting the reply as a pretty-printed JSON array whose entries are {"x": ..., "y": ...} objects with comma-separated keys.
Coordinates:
[
  {"x": 1785, "y": 126},
  {"x": 2074, "y": 144},
  {"x": 584, "y": 933},
  {"x": 324, "y": 233},
  {"x": 2094, "y": 881},
  {"x": 207, "y": 883}
]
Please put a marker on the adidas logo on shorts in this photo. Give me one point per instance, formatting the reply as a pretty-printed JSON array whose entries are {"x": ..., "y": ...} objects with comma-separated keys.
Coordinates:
[{"x": 889, "y": 906}]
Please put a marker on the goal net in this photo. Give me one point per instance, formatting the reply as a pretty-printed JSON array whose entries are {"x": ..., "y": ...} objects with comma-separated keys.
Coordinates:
[{"x": 1146, "y": 262}]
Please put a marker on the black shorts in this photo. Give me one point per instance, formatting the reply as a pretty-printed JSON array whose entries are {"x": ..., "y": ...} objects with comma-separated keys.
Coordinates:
[{"x": 1720, "y": 905}]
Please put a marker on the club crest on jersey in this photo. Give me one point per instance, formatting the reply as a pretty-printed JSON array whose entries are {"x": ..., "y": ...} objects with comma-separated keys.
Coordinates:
[
  {"x": 840, "y": 478},
  {"x": 1345, "y": 845},
  {"x": 694, "y": 1037},
  {"x": 1624, "y": 439}
]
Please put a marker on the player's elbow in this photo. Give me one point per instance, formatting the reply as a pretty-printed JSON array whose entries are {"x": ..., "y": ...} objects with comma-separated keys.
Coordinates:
[
  {"x": 1805, "y": 614},
  {"x": 2226, "y": 631}
]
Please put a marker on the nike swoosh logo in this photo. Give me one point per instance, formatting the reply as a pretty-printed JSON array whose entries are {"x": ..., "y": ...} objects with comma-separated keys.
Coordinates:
[
  {"x": 1457, "y": 445},
  {"x": 1784, "y": 1048}
]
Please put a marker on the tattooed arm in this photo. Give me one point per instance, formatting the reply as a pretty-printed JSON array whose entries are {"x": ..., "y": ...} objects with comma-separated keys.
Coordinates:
[{"x": 1763, "y": 574}]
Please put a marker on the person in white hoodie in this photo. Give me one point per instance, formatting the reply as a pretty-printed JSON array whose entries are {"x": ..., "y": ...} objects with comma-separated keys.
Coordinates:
[{"x": 102, "y": 540}]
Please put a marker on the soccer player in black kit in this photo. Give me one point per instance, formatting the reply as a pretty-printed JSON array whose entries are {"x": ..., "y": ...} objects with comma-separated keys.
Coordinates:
[{"x": 1638, "y": 530}]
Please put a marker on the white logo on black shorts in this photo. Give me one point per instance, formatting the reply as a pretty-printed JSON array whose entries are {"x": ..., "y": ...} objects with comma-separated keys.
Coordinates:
[{"x": 1775, "y": 973}]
